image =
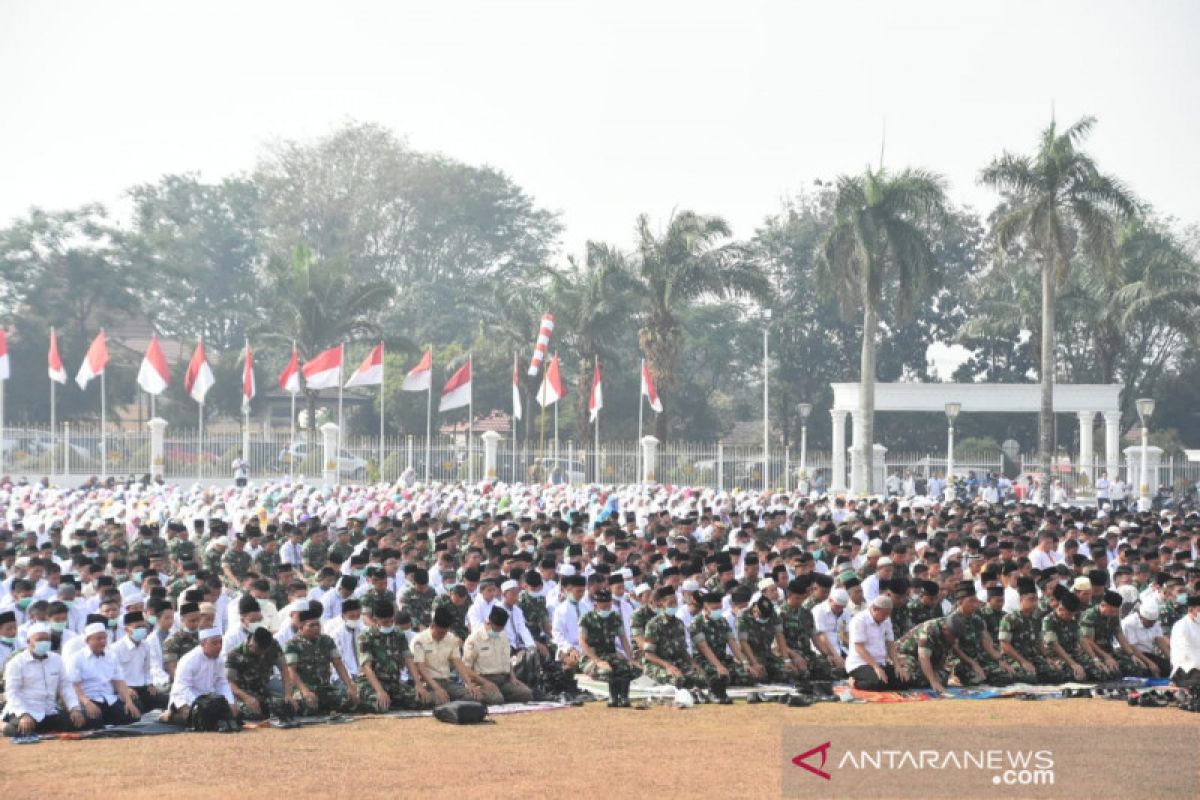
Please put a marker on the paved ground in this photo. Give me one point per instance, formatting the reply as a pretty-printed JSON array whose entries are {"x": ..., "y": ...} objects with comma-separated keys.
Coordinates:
[{"x": 706, "y": 752}]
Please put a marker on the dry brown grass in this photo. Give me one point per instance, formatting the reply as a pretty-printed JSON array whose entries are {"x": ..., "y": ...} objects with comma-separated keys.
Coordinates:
[{"x": 709, "y": 752}]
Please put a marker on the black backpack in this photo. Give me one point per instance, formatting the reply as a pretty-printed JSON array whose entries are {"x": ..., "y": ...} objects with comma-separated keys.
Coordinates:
[
  {"x": 461, "y": 712},
  {"x": 211, "y": 713}
]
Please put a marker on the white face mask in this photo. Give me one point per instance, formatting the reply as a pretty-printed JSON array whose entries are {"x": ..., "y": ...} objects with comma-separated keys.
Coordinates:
[
  {"x": 353, "y": 624},
  {"x": 251, "y": 627}
]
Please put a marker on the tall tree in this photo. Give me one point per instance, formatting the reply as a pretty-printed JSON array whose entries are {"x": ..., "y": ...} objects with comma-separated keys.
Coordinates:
[
  {"x": 1058, "y": 201},
  {"x": 877, "y": 250}
]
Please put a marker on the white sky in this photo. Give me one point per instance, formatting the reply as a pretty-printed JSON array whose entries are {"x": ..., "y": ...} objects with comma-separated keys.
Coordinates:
[{"x": 604, "y": 109}]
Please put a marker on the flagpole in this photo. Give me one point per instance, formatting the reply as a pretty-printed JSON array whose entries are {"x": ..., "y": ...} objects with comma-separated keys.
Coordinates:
[
  {"x": 337, "y": 454},
  {"x": 246, "y": 408},
  {"x": 2, "y": 382},
  {"x": 291, "y": 443},
  {"x": 637, "y": 445},
  {"x": 517, "y": 389},
  {"x": 596, "y": 454},
  {"x": 103, "y": 429},
  {"x": 53, "y": 429},
  {"x": 200, "y": 440},
  {"x": 381, "y": 382},
  {"x": 429, "y": 421},
  {"x": 556, "y": 423},
  {"x": 470, "y": 419}
]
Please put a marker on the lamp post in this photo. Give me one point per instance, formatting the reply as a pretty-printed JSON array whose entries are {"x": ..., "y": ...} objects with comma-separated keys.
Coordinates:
[
  {"x": 1145, "y": 408},
  {"x": 804, "y": 409},
  {"x": 766, "y": 483},
  {"x": 952, "y": 411}
]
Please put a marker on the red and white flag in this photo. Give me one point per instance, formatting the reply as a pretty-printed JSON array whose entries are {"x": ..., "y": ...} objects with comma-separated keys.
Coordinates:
[
  {"x": 4, "y": 368},
  {"x": 199, "y": 376},
  {"x": 324, "y": 371},
  {"x": 54, "y": 364},
  {"x": 457, "y": 391},
  {"x": 516, "y": 390},
  {"x": 420, "y": 377},
  {"x": 289, "y": 379},
  {"x": 552, "y": 389},
  {"x": 596, "y": 401},
  {"x": 543, "y": 343},
  {"x": 94, "y": 362},
  {"x": 154, "y": 374},
  {"x": 248, "y": 378},
  {"x": 648, "y": 389},
  {"x": 370, "y": 371}
]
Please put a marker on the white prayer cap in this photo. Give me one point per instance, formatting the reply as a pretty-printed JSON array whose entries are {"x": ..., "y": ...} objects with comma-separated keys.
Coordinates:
[
  {"x": 840, "y": 597},
  {"x": 1129, "y": 594},
  {"x": 210, "y": 633},
  {"x": 510, "y": 584},
  {"x": 94, "y": 628},
  {"x": 883, "y": 562},
  {"x": 764, "y": 584},
  {"x": 1148, "y": 610},
  {"x": 566, "y": 569},
  {"x": 882, "y": 601},
  {"x": 641, "y": 587}
]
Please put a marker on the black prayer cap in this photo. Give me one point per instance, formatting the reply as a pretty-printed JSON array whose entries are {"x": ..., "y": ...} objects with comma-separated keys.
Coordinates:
[
  {"x": 383, "y": 609},
  {"x": 1026, "y": 586},
  {"x": 420, "y": 576},
  {"x": 351, "y": 605},
  {"x": 133, "y": 617},
  {"x": 442, "y": 617},
  {"x": 1070, "y": 602},
  {"x": 823, "y": 580},
  {"x": 995, "y": 591},
  {"x": 799, "y": 585},
  {"x": 189, "y": 608},
  {"x": 663, "y": 592},
  {"x": 602, "y": 596},
  {"x": 1112, "y": 598},
  {"x": 930, "y": 589},
  {"x": 7, "y": 617},
  {"x": 248, "y": 604},
  {"x": 262, "y": 637},
  {"x": 498, "y": 616},
  {"x": 309, "y": 614},
  {"x": 964, "y": 589}
]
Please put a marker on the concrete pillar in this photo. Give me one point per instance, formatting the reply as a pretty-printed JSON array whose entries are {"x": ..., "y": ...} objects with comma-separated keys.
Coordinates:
[
  {"x": 1133, "y": 468},
  {"x": 837, "y": 482},
  {"x": 1086, "y": 454},
  {"x": 491, "y": 443},
  {"x": 649, "y": 459},
  {"x": 329, "y": 453},
  {"x": 856, "y": 442},
  {"x": 1112, "y": 444},
  {"x": 878, "y": 471},
  {"x": 158, "y": 428}
]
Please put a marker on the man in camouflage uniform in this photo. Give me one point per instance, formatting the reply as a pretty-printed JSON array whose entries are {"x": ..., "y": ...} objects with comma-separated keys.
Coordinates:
[
  {"x": 927, "y": 606},
  {"x": 418, "y": 599},
  {"x": 719, "y": 652},
  {"x": 309, "y": 656},
  {"x": 923, "y": 654},
  {"x": 383, "y": 655},
  {"x": 148, "y": 544},
  {"x": 184, "y": 640},
  {"x": 641, "y": 618},
  {"x": 341, "y": 549},
  {"x": 976, "y": 658},
  {"x": 315, "y": 550},
  {"x": 180, "y": 549},
  {"x": 665, "y": 656},
  {"x": 458, "y": 602},
  {"x": 377, "y": 577},
  {"x": 993, "y": 611},
  {"x": 1099, "y": 626},
  {"x": 532, "y": 602},
  {"x": 1060, "y": 634},
  {"x": 758, "y": 631},
  {"x": 267, "y": 561},
  {"x": 599, "y": 632},
  {"x": 898, "y": 588},
  {"x": 797, "y": 622},
  {"x": 248, "y": 668},
  {"x": 1021, "y": 641},
  {"x": 236, "y": 562}
]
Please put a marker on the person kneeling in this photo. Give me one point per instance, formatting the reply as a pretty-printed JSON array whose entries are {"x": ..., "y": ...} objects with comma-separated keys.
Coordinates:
[
  {"x": 873, "y": 649},
  {"x": 201, "y": 672},
  {"x": 105, "y": 697},
  {"x": 488, "y": 654},
  {"x": 34, "y": 680}
]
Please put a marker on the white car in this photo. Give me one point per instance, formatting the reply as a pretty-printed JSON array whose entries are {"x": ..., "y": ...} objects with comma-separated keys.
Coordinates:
[{"x": 348, "y": 464}]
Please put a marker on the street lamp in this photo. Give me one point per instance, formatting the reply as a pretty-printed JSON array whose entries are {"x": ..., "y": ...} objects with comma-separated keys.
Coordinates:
[
  {"x": 766, "y": 476},
  {"x": 804, "y": 409},
  {"x": 952, "y": 412},
  {"x": 1145, "y": 409}
]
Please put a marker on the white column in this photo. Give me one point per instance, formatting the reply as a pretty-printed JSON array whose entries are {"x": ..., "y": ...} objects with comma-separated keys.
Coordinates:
[
  {"x": 491, "y": 442},
  {"x": 329, "y": 439},
  {"x": 158, "y": 427},
  {"x": 879, "y": 470},
  {"x": 837, "y": 482},
  {"x": 1086, "y": 454},
  {"x": 1112, "y": 443},
  {"x": 649, "y": 458}
]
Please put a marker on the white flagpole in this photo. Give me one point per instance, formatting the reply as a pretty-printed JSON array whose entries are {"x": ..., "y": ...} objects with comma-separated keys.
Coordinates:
[
  {"x": 292, "y": 429},
  {"x": 596, "y": 455},
  {"x": 470, "y": 420},
  {"x": 103, "y": 428},
  {"x": 53, "y": 429},
  {"x": 200, "y": 440},
  {"x": 516, "y": 389},
  {"x": 338, "y": 453},
  {"x": 429, "y": 421},
  {"x": 246, "y": 411},
  {"x": 2, "y": 382},
  {"x": 381, "y": 382},
  {"x": 637, "y": 445},
  {"x": 556, "y": 424}
]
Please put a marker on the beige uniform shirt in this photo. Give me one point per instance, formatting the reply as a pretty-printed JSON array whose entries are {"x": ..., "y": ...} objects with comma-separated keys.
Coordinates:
[
  {"x": 434, "y": 655},
  {"x": 486, "y": 654}
]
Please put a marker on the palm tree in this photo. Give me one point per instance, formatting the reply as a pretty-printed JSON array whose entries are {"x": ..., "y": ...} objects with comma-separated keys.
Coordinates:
[
  {"x": 675, "y": 270},
  {"x": 319, "y": 305},
  {"x": 878, "y": 247},
  {"x": 1058, "y": 200}
]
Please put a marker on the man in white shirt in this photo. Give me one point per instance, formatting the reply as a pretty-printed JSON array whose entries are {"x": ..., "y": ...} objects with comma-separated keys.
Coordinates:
[
  {"x": 1043, "y": 556},
  {"x": 345, "y": 631},
  {"x": 565, "y": 626},
  {"x": 872, "y": 657},
  {"x": 200, "y": 672},
  {"x": 250, "y": 619},
  {"x": 828, "y": 623},
  {"x": 99, "y": 684},
  {"x": 1185, "y": 646},
  {"x": 35, "y": 679},
  {"x": 135, "y": 657},
  {"x": 481, "y": 606},
  {"x": 1144, "y": 634}
]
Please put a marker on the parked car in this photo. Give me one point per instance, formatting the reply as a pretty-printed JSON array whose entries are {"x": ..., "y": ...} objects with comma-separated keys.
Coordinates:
[{"x": 348, "y": 464}]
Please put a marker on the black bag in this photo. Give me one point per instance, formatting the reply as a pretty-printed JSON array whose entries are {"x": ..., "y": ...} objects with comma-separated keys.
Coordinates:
[
  {"x": 211, "y": 713},
  {"x": 461, "y": 712}
]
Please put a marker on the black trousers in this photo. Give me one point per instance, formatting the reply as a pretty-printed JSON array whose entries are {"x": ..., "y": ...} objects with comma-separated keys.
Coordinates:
[
  {"x": 146, "y": 701},
  {"x": 51, "y": 723},
  {"x": 866, "y": 679},
  {"x": 1187, "y": 680},
  {"x": 110, "y": 714}
]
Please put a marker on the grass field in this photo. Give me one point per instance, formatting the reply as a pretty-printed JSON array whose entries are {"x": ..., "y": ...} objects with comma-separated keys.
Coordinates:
[{"x": 708, "y": 751}]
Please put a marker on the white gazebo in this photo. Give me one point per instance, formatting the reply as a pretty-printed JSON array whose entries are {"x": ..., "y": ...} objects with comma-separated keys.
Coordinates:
[{"x": 1084, "y": 400}]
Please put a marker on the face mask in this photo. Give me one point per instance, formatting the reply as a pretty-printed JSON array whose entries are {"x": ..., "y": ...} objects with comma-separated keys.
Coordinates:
[
  {"x": 112, "y": 623},
  {"x": 189, "y": 579},
  {"x": 138, "y": 634},
  {"x": 24, "y": 603},
  {"x": 58, "y": 627},
  {"x": 493, "y": 634},
  {"x": 1181, "y": 598},
  {"x": 573, "y": 601},
  {"x": 7, "y": 640},
  {"x": 717, "y": 614},
  {"x": 668, "y": 611},
  {"x": 353, "y": 625},
  {"x": 137, "y": 577},
  {"x": 629, "y": 586},
  {"x": 606, "y": 612},
  {"x": 387, "y": 628},
  {"x": 120, "y": 577},
  {"x": 151, "y": 621},
  {"x": 41, "y": 648},
  {"x": 251, "y": 627}
]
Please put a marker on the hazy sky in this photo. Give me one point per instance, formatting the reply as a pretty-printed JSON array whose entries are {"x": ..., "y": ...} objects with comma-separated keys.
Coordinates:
[{"x": 601, "y": 110}]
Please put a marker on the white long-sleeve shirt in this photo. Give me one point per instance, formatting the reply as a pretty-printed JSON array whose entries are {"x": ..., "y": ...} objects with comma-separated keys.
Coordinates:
[
  {"x": 95, "y": 673},
  {"x": 1185, "y": 644},
  {"x": 197, "y": 674},
  {"x": 135, "y": 660},
  {"x": 516, "y": 630},
  {"x": 565, "y": 627},
  {"x": 33, "y": 685},
  {"x": 346, "y": 641},
  {"x": 478, "y": 613}
]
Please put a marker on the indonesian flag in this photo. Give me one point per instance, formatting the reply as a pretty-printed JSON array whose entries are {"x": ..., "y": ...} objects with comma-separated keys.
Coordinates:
[
  {"x": 370, "y": 371},
  {"x": 199, "y": 376},
  {"x": 543, "y": 343},
  {"x": 596, "y": 401},
  {"x": 648, "y": 389},
  {"x": 516, "y": 390},
  {"x": 325, "y": 370},
  {"x": 420, "y": 377},
  {"x": 457, "y": 392},
  {"x": 289, "y": 379},
  {"x": 552, "y": 389},
  {"x": 154, "y": 374},
  {"x": 248, "y": 378},
  {"x": 54, "y": 362},
  {"x": 4, "y": 368},
  {"x": 94, "y": 362}
]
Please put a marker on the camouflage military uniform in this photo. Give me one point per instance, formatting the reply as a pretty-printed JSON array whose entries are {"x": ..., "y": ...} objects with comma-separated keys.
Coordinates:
[
  {"x": 901, "y": 621},
  {"x": 314, "y": 554},
  {"x": 387, "y": 654},
  {"x": 419, "y": 605},
  {"x": 1067, "y": 636},
  {"x": 371, "y": 597},
  {"x": 667, "y": 638},
  {"x": 180, "y": 550},
  {"x": 601, "y": 634},
  {"x": 212, "y": 562},
  {"x": 313, "y": 659},
  {"x": 1023, "y": 634},
  {"x": 148, "y": 548},
  {"x": 178, "y": 645},
  {"x": 797, "y": 632},
  {"x": 536, "y": 615},
  {"x": 459, "y": 612},
  {"x": 715, "y": 633},
  {"x": 177, "y": 587},
  {"x": 338, "y": 553},
  {"x": 267, "y": 563},
  {"x": 918, "y": 612},
  {"x": 640, "y": 619},
  {"x": 1170, "y": 612},
  {"x": 991, "y": 620},
  {"x": 971, "y": 644},
  {"x": 238, "y": 561},
  {"x": 927, "y": 636},
  {"x": 252, "y": 674},
  {"x": 759, "y": 636},
  {"x": 1103, "y": 630}
]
